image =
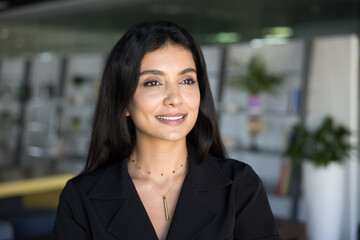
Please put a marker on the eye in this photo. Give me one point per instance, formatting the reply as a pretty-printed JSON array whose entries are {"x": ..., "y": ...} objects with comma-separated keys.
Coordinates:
[
  {"x": 151, "y": 83},
  {"x": 188, "y": 81}
]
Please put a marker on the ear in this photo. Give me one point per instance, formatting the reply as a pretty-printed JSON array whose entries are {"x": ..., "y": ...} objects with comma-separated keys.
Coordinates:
[{"x": 127, "y": 113}]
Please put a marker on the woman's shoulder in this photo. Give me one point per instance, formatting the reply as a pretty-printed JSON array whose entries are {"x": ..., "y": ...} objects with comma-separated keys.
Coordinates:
[
  {"x": 87, "y": 180},
  {"x": 228, "y": 162},
  {"x": 106, "y": 183},
  {"x": 234, "y": 169}
]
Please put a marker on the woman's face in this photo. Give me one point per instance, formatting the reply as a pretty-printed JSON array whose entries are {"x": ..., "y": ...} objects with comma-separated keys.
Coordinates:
[{"x": 166, "y": 102}]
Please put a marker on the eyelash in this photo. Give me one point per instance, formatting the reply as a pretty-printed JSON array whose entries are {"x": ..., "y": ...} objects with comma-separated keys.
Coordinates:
[
  {"x": 153, "y": 83},
  {"x": 189, "y": 81}
]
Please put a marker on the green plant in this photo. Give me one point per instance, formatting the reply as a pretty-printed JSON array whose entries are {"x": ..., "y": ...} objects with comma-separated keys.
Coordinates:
[
  {"x": 254, "y": 77},
  {"x": 327, "y": 143},
  {"x": 76, "y": 124},
  {"x": 78, "y": 80}
]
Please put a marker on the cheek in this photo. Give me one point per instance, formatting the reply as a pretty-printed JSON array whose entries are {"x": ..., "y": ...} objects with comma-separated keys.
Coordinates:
[
  {"x": 195, "y": 99},
  {"x": 143, "y": 104},
  {"x": 193, "y": 103}
]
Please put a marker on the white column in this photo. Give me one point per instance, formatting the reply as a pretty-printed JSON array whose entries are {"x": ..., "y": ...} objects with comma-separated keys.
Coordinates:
[{"x": 333, "y": 90}]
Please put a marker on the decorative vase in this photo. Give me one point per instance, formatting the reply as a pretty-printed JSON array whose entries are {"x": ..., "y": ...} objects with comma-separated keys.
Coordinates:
[
  {"x": 254, "y": 104},
  {"x": 254, "y": 124},
  {"x": 323, "y": 189}
]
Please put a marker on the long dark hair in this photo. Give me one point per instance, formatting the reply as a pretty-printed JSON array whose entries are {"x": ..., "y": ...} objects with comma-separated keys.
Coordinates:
[{"x": 113, "y": 134}]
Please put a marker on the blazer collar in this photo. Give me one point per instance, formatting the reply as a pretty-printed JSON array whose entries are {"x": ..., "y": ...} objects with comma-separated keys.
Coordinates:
[
  {"x": 207, "y": 175},
  {"x": 116, "y": 184}
]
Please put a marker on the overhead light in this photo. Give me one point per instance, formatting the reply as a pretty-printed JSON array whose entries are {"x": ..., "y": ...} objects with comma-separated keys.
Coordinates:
[
  {"x": 224, "y": 37},
  {"x": 273, "y": 36},
  {"x": 261, "y": 42},
  {"x": 278, "y": 32}
]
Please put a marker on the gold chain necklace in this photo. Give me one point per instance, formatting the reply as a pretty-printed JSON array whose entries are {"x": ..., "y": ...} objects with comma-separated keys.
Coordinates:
[
  {"x": 149, "y": 172},
  {"x": 166, "y": 210}
]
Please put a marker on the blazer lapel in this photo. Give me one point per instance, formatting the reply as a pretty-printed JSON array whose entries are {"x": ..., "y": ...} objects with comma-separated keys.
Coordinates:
[
  {"x": 119, "y": 207},
  {"x": 192, "y": 217},
  {"x": 132, "y": 221}
]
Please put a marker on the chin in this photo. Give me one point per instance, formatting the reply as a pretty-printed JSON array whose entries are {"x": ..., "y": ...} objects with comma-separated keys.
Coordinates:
[{"x": 174, "y": 136}]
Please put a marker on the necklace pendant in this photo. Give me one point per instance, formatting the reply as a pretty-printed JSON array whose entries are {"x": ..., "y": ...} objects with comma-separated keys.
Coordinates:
[{"x": 166, "y": 209}]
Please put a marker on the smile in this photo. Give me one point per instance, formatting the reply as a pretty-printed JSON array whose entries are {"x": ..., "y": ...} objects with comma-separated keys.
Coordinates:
[{"x": 170, "y": 118}]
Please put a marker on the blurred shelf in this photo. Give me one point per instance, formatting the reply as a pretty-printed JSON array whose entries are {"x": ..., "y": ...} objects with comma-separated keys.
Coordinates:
[
  {"x": 237, "y": 110},
  {"x": 32, "y": 186},
  {"x": 262, "y": 151},
  {"x": 232, "y": 72}
]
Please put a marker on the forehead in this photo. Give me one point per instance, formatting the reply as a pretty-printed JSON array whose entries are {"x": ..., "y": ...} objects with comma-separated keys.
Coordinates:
[{"x": 168, "y": 55}]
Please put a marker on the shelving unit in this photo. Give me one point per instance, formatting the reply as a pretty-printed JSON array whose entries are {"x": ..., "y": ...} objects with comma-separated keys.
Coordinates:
[
  {"x": 280, "y": 111},
  {"x": 56, "y": 122},
  {"x": 41, "y": 119},
  {"x": 77, "y": 106},
  {"x": 11, "y": 85}
]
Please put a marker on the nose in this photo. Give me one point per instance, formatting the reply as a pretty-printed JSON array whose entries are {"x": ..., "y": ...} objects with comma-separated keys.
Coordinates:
[{"x": 173, "y": 95}]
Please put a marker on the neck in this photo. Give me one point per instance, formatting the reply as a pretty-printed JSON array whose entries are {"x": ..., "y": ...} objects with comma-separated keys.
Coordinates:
[{"x": 160, "y": 157}]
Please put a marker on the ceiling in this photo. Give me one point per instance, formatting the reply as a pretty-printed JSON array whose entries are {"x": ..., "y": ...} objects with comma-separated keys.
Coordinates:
[{"x": 28, "y": 27}]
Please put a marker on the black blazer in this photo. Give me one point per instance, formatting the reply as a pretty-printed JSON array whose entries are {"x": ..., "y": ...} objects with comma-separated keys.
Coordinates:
[{"x": 220, "y": 199}]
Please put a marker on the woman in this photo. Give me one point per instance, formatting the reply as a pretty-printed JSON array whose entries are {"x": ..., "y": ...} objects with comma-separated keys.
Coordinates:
[{"x": 156, "y": 167}]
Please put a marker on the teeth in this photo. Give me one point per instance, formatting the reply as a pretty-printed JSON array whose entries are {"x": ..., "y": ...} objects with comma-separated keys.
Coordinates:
[{"x": 170, "y": 118}]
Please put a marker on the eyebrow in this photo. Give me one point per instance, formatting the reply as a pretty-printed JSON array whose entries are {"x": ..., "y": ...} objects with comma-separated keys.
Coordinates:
[
  {"x": 152, "y": 72},
  {"x": 187, "y": 70},
  {"x": 160, "y": 73}
]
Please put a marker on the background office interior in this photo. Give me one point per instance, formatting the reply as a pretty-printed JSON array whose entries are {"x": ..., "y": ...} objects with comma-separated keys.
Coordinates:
[{"x": 52, "y": 55}]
